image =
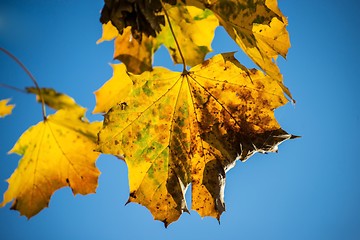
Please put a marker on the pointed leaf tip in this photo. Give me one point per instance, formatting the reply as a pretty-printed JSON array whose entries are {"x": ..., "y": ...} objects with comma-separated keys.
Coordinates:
[{"x": 114, "y": 91}]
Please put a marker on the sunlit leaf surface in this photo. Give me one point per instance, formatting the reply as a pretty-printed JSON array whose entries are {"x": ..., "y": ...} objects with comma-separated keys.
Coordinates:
[{"x": 56, "y": 152}]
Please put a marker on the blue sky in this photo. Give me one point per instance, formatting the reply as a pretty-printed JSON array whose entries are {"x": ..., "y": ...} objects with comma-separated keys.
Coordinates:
[{"x": 309, "y": 190}]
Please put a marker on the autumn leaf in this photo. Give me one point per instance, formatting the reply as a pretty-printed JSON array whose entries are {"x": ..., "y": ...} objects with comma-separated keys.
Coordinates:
[
  {"x": 57, "y": 152},
  {"x": 193, "y": 27},
  {"x": 5, "y": 109},
  {"x": 174, "y": 129}
]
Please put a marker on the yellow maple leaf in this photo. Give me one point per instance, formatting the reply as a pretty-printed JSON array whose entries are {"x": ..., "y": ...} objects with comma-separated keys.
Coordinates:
[
  {"x": 57, "y": 152},
  {"x": 174, "y": 129},
  {"x": 5, "y": 109}
]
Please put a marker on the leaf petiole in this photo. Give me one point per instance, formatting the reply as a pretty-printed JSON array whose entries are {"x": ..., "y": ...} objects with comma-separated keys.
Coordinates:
[
  {"x": 176, "y": 41},
  {"x": 31, "y": 77},
  {"x": 12, "y": 88}
]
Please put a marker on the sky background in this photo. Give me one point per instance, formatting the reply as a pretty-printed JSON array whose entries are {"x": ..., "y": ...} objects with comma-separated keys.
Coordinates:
[{"x": 309, "y": 190}]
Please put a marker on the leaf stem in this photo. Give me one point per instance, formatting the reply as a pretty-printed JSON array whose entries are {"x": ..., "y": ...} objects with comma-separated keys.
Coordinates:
[
  {"x": 31, "y": 77},
  {"x": 176, "y": 41},
  {"x": 12, "y": 87}
]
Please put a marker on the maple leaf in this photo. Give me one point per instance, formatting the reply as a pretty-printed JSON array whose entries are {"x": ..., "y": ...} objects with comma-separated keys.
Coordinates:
[
  {"x": 193, "y": 27},
  {"x": 174, "y": 129},
  {"x": 5, "y": 109},
  {"x": 57, "y": 152}
]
